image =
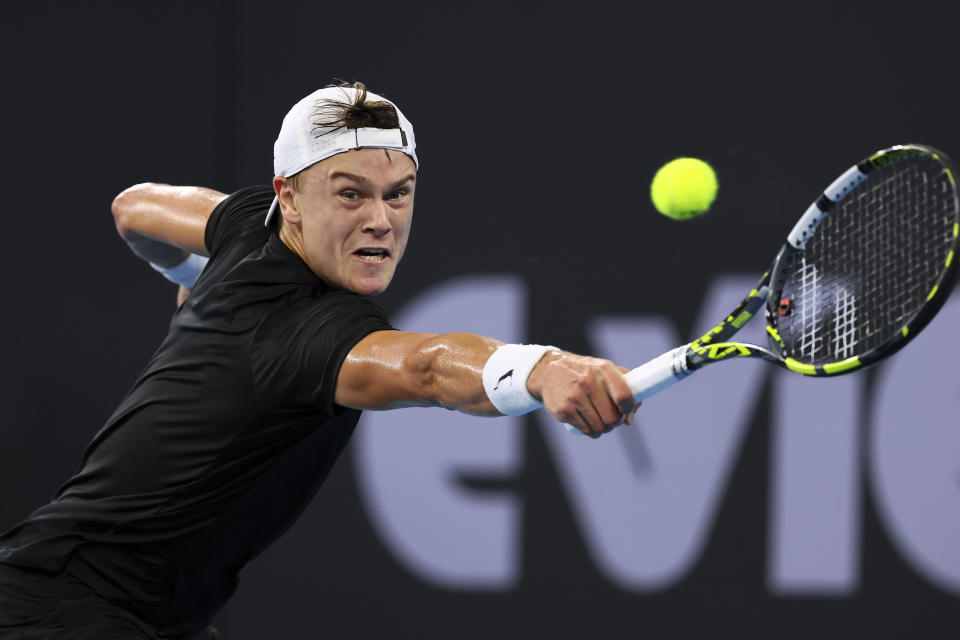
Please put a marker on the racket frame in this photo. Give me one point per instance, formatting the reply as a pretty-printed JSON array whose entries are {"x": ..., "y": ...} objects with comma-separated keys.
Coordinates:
[
  {"x": 805, "y": 229},
  {"x": 715, "y": 345}
]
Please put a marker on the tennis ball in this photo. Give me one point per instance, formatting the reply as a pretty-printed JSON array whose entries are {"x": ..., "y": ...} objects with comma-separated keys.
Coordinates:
[{"x": 684, "y": 188}]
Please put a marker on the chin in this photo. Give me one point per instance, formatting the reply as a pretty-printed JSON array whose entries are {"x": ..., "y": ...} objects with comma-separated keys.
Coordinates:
[{"x": 369, "y": 288}]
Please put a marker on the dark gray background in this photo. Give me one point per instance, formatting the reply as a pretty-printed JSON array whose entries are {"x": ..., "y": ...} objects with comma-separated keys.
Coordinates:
[{"x": 539, "y": 128}]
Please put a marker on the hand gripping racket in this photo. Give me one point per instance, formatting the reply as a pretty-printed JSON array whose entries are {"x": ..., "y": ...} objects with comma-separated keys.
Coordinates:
[{"x": 865, "y": 268}]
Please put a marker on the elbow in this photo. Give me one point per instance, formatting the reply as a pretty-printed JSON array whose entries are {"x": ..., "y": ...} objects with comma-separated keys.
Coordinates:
[{"x": 126, "y": 204}]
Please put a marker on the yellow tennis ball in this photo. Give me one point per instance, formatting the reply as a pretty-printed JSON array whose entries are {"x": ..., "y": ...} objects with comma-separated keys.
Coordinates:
[{"x": 684, "y": 188}]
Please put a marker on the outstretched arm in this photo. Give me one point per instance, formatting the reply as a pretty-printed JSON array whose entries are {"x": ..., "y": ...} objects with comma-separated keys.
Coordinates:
[{"x": 391, "y": 369}]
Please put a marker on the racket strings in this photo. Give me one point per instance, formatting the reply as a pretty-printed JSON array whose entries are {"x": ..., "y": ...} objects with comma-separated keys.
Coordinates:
[
  {"x": 845, "y": 327},
  {"x": 872, "y": 263},
  {"x": 810, "y": 337}
]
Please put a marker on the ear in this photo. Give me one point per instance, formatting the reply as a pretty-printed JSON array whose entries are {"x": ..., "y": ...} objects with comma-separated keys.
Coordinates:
[{"x": 288, "y": 201}]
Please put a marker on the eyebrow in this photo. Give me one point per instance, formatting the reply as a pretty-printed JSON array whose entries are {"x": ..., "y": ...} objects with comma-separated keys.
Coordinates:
[{"x": 366, "y": 183}]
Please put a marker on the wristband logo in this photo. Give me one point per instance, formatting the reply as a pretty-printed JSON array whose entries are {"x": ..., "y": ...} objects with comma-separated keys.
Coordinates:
[{"x": 508, "y": 374}]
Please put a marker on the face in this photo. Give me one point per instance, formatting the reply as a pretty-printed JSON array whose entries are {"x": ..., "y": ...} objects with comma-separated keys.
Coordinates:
[{"x": 350, "y": 219}]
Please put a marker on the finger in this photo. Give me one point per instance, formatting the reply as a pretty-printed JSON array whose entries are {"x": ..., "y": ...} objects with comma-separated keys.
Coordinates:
[
  {"x": 610, "y": 398},
  {"x": 619, "y": 391},
  {"x": 575, "y": 420},
  {"x": 590, "y": 432},
  {"x": 590, "y": 416},
  {"x": 629, "y": 417},
  {"x": 607, "y": 411}
]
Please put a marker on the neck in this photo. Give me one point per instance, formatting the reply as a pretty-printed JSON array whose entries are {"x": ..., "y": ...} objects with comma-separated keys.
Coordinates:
[{"x": 293, "y": 239}]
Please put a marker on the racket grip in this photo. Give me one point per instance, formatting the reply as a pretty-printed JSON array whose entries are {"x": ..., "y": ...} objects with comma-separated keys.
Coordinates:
[{"x": 655, "y": 375}]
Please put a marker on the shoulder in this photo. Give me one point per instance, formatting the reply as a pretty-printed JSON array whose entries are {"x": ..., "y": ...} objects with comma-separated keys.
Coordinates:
[
  {"x": 300, "y": 347},
  {"x": 242, "y": 212}
]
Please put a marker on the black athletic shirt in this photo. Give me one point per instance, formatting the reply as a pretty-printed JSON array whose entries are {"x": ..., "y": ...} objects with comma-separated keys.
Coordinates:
[{"x": 219, "y": 446}]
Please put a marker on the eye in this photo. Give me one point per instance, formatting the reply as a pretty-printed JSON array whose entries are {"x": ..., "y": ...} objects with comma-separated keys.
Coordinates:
[
  {"x": 396, "y": 195},
  {"x": 349, "y": 195}
]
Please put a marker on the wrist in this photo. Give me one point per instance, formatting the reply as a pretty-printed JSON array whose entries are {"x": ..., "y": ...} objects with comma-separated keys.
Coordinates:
[
  {"x": 537, "y": 377},
  {"x": 505, "y": 377},
  {"x": 186, "y": 272},
  {"x": 154, "y": 251}
]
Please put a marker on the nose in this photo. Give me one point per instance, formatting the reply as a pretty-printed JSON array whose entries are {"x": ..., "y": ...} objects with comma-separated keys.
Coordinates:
[{"x": 377, "y": 221}]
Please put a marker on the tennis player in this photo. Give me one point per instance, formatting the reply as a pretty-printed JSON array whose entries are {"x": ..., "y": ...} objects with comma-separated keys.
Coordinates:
[{"x": 275, "y": 350}]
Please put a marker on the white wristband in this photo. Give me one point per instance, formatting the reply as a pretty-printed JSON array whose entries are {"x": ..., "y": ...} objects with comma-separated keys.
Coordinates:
[
  {"x": 505, "y": 377},
  {"x": 186, "y": 273}
]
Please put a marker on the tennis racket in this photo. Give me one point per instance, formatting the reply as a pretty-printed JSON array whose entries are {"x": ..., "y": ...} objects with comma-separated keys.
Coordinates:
[{"x": 862, "y": 272}]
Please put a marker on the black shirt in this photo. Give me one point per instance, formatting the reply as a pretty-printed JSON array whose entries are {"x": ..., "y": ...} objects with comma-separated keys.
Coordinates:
[{"x": 221, "y": 443}]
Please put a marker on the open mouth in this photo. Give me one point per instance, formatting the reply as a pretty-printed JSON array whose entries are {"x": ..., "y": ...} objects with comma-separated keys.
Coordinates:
[{"x": 372, "y": 255}]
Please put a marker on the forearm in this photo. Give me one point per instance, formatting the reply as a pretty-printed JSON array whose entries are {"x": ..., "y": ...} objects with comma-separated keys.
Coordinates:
[
  {"x": 152, "y": 250},
  {"x": 588, "y": 393},
  {"x": 450, "y": 367},
  {"x": 393, "y": 369}
]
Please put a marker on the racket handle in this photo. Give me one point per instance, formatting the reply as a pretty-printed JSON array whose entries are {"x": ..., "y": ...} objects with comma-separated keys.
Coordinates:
[{"x": 655, "y": 375}]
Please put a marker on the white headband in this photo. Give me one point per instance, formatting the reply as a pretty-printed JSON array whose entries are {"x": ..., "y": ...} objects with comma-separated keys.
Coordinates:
[{"x": 301, "y": 143}]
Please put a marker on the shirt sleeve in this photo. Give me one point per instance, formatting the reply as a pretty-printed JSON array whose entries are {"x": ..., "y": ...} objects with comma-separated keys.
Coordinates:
[
  {"x": 298, "y": 353},
  {"x": 239, "y": 216}
]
